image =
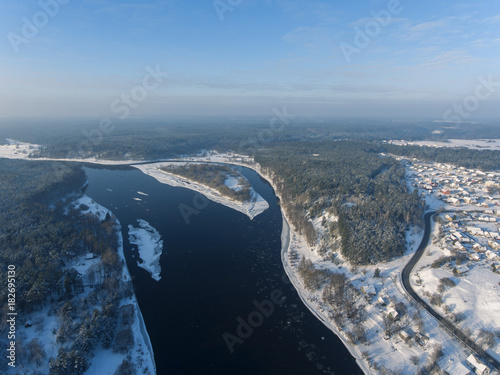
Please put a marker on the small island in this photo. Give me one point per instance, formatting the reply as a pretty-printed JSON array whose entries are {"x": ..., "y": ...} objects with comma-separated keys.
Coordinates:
[
  {"x": 226, "y": 180},
  {"x": 220, "y": 183}
]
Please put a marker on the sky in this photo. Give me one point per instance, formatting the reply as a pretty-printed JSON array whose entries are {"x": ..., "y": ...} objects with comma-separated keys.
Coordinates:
[{"x": 398, "y": 59}]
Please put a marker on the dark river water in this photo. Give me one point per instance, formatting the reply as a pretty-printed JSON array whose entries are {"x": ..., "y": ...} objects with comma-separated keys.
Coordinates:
[{"x": 216, "y": 271}]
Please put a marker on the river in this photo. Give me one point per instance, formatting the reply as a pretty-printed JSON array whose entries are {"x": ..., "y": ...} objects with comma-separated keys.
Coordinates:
[{"x": 216, "y": 271}]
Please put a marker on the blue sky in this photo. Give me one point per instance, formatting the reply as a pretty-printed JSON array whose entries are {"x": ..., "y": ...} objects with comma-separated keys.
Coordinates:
[{"x": 417, "y": 61}]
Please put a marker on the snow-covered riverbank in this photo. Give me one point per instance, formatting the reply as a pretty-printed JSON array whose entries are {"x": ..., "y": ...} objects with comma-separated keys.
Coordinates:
[
  {"x": 105, "y": 361},
  {"x": 393, "y": 353},
  {"x": 251, "y": 209}
]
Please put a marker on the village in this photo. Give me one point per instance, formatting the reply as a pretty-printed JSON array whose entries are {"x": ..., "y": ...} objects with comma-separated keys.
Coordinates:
[
  {"x": 471, "y": 199},
  {"x": 459, "y": 276},
  {"x": 396, "y": 333}
]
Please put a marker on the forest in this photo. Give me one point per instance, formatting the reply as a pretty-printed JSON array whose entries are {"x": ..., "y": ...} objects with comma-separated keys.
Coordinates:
[
  {"x": 42, "y": 238},
  {"x": 486, "y": 160},
  {"x": 214, "y": 176},
  {"x": 351, "y": 180},
  {"x": 153, "y": 139},
  {"x": 320, "y": 170},
  {"x": 349, "y": 177}
]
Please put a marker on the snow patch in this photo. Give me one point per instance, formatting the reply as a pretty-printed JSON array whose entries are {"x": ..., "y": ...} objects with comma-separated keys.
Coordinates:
[
  {"x": 94, "y": 208},
  {"x": 150, "y": 246},
  {"x": 232, "y": 183},
  {"x": 17, "y": 150}
]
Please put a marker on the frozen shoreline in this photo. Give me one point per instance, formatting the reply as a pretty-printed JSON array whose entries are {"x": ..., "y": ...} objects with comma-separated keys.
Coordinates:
[
  {"x": 290, "y": 240},
  {"x": 138, "y": 327},
  {"x": 286, "y": 234},
  {"x": 251, "y": 209}
]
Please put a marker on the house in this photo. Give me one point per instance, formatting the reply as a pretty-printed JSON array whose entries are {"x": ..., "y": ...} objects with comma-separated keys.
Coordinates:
[
  {"x": 494, "y": 245},
  {"x": 473, "y": 256},
  {"x": 458, "y": 369},
  {"x": 491, "y": 255},
  {"x": 479, "y": 248},
  {"x": 404, "y": 335},
  {"x": 28, "y": 324},
  {"x": 369, "y": 290},
  {"x": 462, "y": 269},
  {"x": 382, "y": 301},
  {"x": 90, "y": 256},
  {"x": 393, "y": 314},
  {"x": 495, "y": 235},
  {"x": 479, "y": 367},
  {"x": 421, "y": 340}
]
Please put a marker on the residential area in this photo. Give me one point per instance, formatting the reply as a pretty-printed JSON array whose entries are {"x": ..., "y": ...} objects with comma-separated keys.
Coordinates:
[{"x": 459, "y": 275}]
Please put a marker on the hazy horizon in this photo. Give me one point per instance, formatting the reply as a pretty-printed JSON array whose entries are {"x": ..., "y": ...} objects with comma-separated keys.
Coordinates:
[{"x": 385, "y": 60}]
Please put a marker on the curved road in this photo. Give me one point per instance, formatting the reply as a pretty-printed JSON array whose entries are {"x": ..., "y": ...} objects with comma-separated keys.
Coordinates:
[{"x": 405, "y": 278}]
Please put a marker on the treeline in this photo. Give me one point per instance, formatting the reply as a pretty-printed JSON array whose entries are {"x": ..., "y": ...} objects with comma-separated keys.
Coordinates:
[
  {"x": 41, "y": 237},
  {"x": 143, "y": 139},
  {"x": 486, "y": 160},
  {"x": 340, "y": 295},
  {"x": 214, "y": 176},
  {"x": 351, "y": 180}
]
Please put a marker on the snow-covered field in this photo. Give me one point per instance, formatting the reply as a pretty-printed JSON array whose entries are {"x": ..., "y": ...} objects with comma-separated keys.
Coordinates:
[
  {"x": 150, "y": 247},
  {"x": 475, "y": 298},
  {"x": 22, "y": 150},
  {"x": 232, "y": 183},
  {"x": 251, "y": 209},
  {"x": 482, "y": 144},
  {"x": 17, "y": 150},
  {"x": 94, "y": 208}
]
